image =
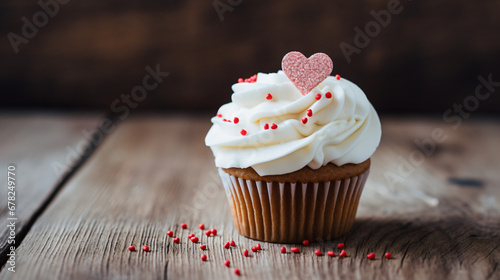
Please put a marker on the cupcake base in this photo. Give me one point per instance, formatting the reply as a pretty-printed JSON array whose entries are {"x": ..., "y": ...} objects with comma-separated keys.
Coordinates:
[{"x": 288, "y": 212}]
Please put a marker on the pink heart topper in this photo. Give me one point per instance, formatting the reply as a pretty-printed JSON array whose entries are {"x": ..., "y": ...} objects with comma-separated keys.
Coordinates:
[{"x": 306, "y": 73}]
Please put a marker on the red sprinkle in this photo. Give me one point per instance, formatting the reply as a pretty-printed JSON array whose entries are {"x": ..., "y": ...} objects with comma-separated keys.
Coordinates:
[
  {"x": 232, "y": 243},
  {"x": 201, "y": 226},
  {"x": 177, "y": 240},
  {"x": 343, "y": 253},
  {"x": 237, "y": 272},
  {"x": 190, "y": 235},
  {"x": 170, "y": 233},
  {"x": 203, "y": 257},
  {"x": 240, "y": 80},
  {"x": 214, "y": 231},
  {"x": 337, "y": 77},
  {"x": 331, "y": 253},
  {"x": 304, "y": 120},
  {"x": 318, "y": 96},
  {"x": 254, "y": 249},
  {"x": 283, "y": 250},
  {"x": 309, "y": 112},
  {"x": 131, "y": 248},
  {"x": 305, "y": 242},
  {"x": 219, "y": 115},
  {"x": 388, "y": 255},
  {"x": 269, "y": 96},
  {"x": 274, "y": 126},
  {"x": 203, "y": 247},
  {"x": 184, "y": 226},
  {"x": 245, "y": 253},
  {"x": 145, "y": 248},
  {"x": 226, "y": 245},
  {"x": 341, "y": 245},
  {"x": 266, "y": 126},
  {"x": 258, "y": 247},
  {"x": 194, "y": 239},
  {"x": 328, "y": 95},
  {"x": 227, "y": 263},
  {"x": 294, "y": 250},
  {"x": 208, "y": 232},
  {"x": 371, "y": 256},
  {"x": 243, "y": 132},
  {"x": 318, "y": 253},
  {"x": 236, "y": 120}
]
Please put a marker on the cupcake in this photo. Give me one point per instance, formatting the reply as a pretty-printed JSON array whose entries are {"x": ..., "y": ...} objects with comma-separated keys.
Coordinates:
[{"x": 293, "y": 151}]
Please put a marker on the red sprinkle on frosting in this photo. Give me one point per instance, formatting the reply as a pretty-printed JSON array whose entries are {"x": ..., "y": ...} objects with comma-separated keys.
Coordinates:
[
  {"x": 245, "y": 253},
  {"x": 254, "y": 249},
  {"x": 318, "y": 253},
  {"x": 371, "y": 256},
  {"x": 203, "y": 257},
  {"x": 219, "y": 115},
  {"x": 232, "y": 243},
  {"x": 269, "y": 96},
  {"x": 145, "y": 248},
  {"x": 266, "y": 126},
  {"x": 203, "y": 247},
  {"x": 240, "y": 80},
  {"x": 295, "y": 250},
  {"x": 331, "y": 253},
  {"x": 131, "y": 248},
  {"x": 177, "y": 240},
  {"x": 305, "y": 242},
  {"x": 243, "y": 132},
  {"x": 170, "y": 233},
  {"x": 194, "y": 239},
  {"x": 258, "y": 246},
  {"x": 341, "y": 245},
  {"x": 274, "y": 126},
  {"x": 214, "y": 231},
  {"x": 388, "y": 255},
  {"x": 226, "y": 245},
  {"x": 304, "y": 120},
  {"x": 337, "y": 77},
  {"x": 237, "y": 272},
  {"x": 318, "y": 96},
  {"x": 283, "y": 250},
  {"x": 201, "y": 226},
  {"x": 208, "y": 232},
  {"x": 328, "y": 95},
  {"x": 236, "y": 120},
  {"x": 190, "y": 235},
  {"x": 184, "y": 226},
  {"x": 227, "y": 263},
  {"x": 309, "y": 112},
  {"x": 343, "y": 253}
]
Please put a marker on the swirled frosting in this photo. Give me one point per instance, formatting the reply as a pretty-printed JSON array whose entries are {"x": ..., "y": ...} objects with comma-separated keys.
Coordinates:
[{"x": 341, "y": 129}]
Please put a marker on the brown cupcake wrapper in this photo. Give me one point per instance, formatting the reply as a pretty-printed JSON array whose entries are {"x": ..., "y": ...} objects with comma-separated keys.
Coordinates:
[{"x": 292, "y": 212}]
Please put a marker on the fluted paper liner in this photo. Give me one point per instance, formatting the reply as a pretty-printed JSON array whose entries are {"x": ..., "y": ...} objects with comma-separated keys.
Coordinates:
[{"x": 292, "y": 212}]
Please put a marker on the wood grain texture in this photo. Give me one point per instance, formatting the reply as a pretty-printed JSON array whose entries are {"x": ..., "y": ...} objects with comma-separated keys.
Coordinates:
[
  {"x": 154, "y": 173},
  {"x": 33, "y": 143}
]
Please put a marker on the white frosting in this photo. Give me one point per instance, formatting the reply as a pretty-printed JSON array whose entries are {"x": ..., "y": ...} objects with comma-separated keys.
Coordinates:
[{"x": 343, "y": 129}]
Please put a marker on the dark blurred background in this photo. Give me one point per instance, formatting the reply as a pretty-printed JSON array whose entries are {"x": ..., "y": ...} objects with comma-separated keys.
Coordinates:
[{"x": 90, "y": 52}]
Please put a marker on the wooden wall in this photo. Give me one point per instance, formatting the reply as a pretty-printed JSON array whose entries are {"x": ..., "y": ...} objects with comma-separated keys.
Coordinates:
[{"x": 427, "y": 58}]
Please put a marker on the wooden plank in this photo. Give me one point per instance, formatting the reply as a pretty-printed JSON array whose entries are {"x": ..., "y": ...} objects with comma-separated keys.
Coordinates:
[
  {"x": 35, "y": 143},
  {"x": 154, "y": 173}
]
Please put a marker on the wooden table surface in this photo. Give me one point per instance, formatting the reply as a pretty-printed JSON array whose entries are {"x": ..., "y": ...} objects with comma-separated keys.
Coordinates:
[{"x": 438, "y": 214}]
